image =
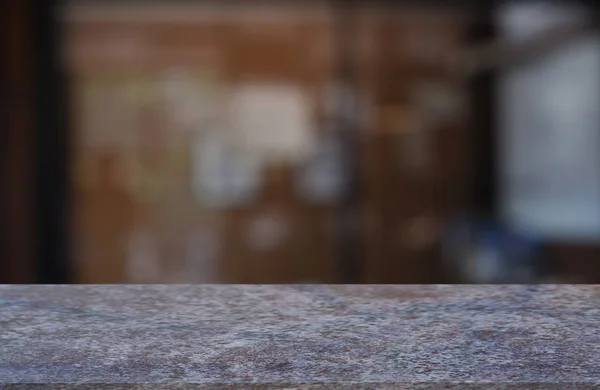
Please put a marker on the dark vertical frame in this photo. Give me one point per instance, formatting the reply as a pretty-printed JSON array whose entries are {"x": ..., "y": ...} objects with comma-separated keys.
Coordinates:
[
  {"x": 52, "y": 140},
  {"x": 484, "y": 140},
  {"x": 351, "y": 256}
]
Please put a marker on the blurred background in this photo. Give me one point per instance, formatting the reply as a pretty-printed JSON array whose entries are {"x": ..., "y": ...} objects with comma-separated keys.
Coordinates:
[{"x": 299, "y": 142}]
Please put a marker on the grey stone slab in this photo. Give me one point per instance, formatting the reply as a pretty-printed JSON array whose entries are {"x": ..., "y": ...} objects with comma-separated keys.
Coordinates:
[{"x": 299, "y": 337}]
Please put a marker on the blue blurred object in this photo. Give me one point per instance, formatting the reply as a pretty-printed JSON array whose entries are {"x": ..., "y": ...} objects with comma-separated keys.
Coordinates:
[{"x": 486, "y": 252}]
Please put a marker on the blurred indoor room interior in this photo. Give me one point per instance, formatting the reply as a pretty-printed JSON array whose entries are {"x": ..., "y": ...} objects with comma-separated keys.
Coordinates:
[{"x": 300, "y": 142}]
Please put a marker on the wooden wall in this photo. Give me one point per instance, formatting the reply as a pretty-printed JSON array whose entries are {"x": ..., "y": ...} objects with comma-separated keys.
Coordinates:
[
  {"x": 272, "y": 48},
  {"x": 403, "y": 208}
]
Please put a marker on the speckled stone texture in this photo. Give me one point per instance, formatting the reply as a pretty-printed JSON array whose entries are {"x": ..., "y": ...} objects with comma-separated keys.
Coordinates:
[{"x": 299, "y": 337}]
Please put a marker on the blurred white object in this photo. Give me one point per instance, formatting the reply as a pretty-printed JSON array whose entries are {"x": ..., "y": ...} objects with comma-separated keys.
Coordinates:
[
  {"x": 520, "y": 20},
  {"x": 273, "y": 121},
  {"x": 321, "y": 179},
  {"x": 549, "y": 129},
  {"x": 223, "y": 177},
  {"x": 486, "y": 265}
]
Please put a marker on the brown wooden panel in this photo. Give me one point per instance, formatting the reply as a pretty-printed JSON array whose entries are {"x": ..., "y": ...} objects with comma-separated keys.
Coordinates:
[
  {"x": 572, "y": 262},
  {"x": 240, "y": 50},
  {"x": 410, "y": 204},
  {"x": 17, "y": 144}
]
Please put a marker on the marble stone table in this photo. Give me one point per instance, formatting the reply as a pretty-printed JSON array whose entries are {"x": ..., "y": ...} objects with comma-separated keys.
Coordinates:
[{"x": 299, "y": 336}]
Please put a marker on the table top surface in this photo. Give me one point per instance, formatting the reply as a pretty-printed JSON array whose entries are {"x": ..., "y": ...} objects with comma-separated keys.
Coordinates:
[{"x": 300, "y": 336}]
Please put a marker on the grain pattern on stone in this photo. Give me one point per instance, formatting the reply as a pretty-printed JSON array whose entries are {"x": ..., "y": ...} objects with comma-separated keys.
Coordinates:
[{"x": 299, "y": 336}]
